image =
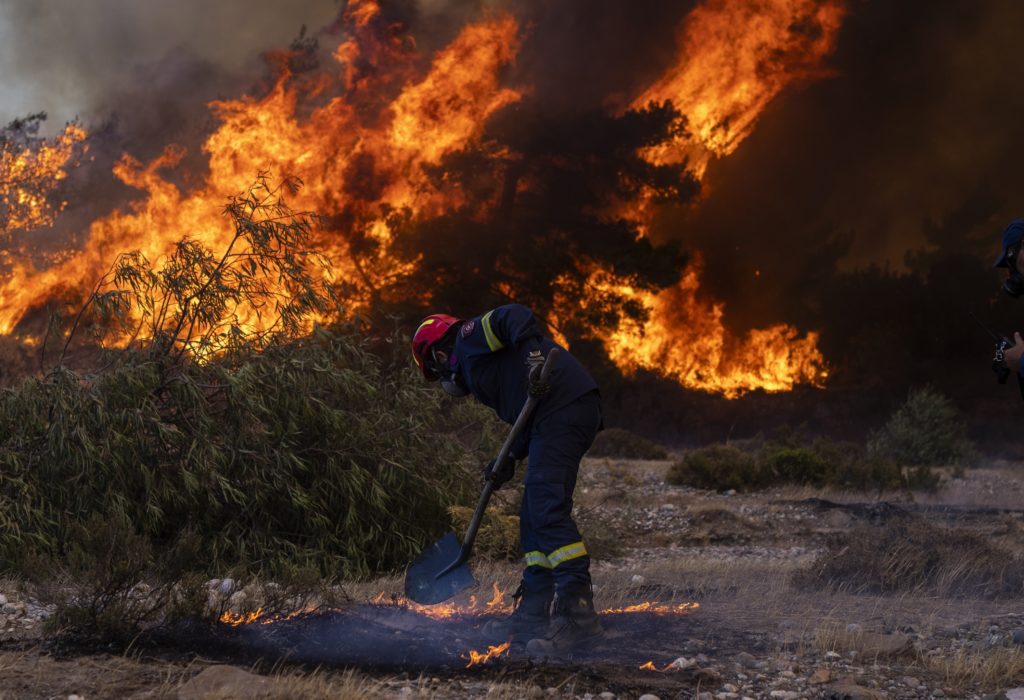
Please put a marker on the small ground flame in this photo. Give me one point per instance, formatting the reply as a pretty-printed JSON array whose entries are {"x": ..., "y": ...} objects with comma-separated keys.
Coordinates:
[
  {"x": 476, "y": 658},
  {"x": 245, "y": 618},
  {"x": 652, "y": 607}
]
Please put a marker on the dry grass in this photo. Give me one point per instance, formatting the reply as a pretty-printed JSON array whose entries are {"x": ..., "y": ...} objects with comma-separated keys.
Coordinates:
[
  {"x": 914, "y": 556},
  {"x": 988, "y": 669}
]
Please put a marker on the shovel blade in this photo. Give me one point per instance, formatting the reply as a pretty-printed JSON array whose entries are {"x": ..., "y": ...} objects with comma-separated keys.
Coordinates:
[{"x": 422, "y": 584}]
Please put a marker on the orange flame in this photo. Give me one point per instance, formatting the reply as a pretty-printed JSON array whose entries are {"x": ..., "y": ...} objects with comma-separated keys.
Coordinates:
[
  {"x": 354, "y": 165},
  {"x": 735, "y": 57},
  {"x": 29, "y": 175},
  {"x": 653, "y": 607},
  {"x": 236, "y": 619},
  {"x": 360, "y": 146},
  {"x": 476, "y": 658},
  {"x": 686, "y": 340}
]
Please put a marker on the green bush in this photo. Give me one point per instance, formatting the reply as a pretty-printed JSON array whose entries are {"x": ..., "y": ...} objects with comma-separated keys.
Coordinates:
[
  {"x": 816, "y": 465},
  {"x": 718, "y": 467},
  {"x": 304, "y": 454},
  {"x": 926, "y": 430},
  {"x": 820, "y": 463},
  {"x": 622, "y": 444}
]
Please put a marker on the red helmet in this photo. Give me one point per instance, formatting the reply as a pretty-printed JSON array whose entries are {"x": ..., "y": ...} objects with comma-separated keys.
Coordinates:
[{"x": 431, "y": 330}]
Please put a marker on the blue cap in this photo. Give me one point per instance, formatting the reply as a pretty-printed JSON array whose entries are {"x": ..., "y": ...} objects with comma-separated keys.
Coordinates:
[{"x": 1012, "y": 235}]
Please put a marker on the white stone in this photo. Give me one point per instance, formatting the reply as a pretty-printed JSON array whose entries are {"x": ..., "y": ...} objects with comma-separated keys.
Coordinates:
[
  {"x": 607, "y": 696},
  {"x": 3, "y": 599},
  {"x": 648, "y": 696},
  {"x": 784, "y": 695},
  {"x": 1015, "y": 694},
  {"x": 637, "y": 578},
  {"x": 226, "y": 586},
  {"x": 682, "y": 663}
]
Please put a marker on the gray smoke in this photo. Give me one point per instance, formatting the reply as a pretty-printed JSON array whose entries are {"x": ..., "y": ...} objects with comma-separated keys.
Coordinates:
[{"x": 66, "y": 57}]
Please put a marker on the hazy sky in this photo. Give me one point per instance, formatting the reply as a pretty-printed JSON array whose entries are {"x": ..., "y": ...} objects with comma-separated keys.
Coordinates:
[{"x": 64, "y": 56}]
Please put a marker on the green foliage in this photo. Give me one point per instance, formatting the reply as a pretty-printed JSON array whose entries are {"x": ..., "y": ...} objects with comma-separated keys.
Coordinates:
[
  {"x": 801, "y": 465},
  {"x": 305, "y": 453},
  {"x": 719, "y": 467},
  {"x": 820, "y": 463},
  {"x": 913, "y": 556},
  {"x": 926, "y": 430},
  {"x": 619, "y": 443}
]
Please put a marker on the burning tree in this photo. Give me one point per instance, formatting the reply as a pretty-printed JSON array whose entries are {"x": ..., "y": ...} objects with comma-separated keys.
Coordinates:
[
  {"x": 31, "y": 168},
  {"x": 551, "y": 184},
  {"x": 265, "y": 286}
]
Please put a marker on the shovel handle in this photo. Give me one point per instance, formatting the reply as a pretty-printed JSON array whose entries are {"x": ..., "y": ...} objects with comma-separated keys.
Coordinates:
[{"x": 485, "y": 496}]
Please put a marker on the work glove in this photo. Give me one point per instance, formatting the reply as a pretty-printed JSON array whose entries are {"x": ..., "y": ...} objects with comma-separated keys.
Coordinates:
[
  {"x": 502, "y": 473},
  {"x": 539, "y": 388}
]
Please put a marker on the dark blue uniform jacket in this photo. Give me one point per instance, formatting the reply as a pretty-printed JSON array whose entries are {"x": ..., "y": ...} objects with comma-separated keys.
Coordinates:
[{"x": 490, "y": 357}]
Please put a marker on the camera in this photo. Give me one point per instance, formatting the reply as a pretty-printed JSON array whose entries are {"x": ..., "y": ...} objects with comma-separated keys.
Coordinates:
[{"x": 999, "y": 366}]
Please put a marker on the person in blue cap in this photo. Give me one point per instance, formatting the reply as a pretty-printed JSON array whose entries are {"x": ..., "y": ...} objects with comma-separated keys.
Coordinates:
[
  {"x": 496, "y": 357},
  {"x": 1012, "y": 258}
]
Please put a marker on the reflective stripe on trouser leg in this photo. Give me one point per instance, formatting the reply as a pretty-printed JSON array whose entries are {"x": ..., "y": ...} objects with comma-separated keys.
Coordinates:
[
  {"x": 567, "y": 553},
  {"x": 538, "y": 559}
]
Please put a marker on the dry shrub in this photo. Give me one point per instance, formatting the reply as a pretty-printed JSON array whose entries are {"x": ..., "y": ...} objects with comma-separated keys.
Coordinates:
[
  {"x": 498, "y": 536},
  {"x": 618, "y": 443},
  {"x": 912, "y": 556}
]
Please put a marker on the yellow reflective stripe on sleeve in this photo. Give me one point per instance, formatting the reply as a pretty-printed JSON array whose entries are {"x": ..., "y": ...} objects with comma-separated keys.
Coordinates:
[
  {"x": 564, "y": 554},
  {"x": 537, "y": 559},
  {"x": 492, "y": 340}
]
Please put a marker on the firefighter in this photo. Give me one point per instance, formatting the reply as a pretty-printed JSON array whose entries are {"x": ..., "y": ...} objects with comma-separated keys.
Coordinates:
[{"x": 497, "y": 358}]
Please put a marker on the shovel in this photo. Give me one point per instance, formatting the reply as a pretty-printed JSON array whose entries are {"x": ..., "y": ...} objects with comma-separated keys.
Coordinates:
[{"x": 441, "y": 571}]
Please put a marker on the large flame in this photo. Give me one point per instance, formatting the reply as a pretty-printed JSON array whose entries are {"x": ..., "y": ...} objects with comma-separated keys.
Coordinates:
[
  {"x": 359, "y": 136},
  {"x": 338, "y": 151},
  {"x": 734, "y": 58},
  {"x": 685, "y": 339}
]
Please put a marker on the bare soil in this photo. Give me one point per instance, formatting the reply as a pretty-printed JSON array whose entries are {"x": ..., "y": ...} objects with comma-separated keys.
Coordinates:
[{"x": 760, "y": 631}]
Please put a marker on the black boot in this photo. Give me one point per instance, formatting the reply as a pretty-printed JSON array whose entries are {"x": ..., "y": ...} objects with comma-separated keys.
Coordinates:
[
  {"x": 573, "y": 623},
  {"x": 530, "y": 616}
]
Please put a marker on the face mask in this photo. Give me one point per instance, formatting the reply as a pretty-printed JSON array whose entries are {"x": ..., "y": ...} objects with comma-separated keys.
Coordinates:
[{"x": 452, "y": 387}]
